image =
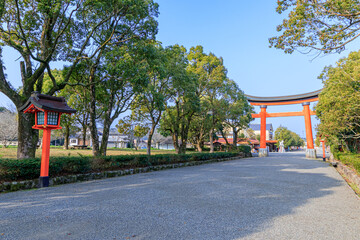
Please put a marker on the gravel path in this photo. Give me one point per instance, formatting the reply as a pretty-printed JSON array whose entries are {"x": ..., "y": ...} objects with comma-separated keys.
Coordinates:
[{"x": 284, "y": 196}]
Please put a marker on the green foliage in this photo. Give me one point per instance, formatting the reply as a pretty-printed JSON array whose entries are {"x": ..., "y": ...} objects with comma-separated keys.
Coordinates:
[
  {"x": 124, "y": 126},
  {"x": 183, "y": 102},
  {"x": 212, "y": 85},
  {"x": 210, "y": 71},
  {"x": 324, "y": 25},
  {"x": 200, "y": 126},
  {"x": 236, "y": 110},
  {"x": 150, "y": 103},
  {"x": 101, "y": 34},
  {"x": 140, "y": 131},
  {"x": 13, "y": 169},
  {"x": 338, "y": 108},
  {"x": 350, "y": 159},
  {"x": 244, "y": 149},
  {"x": 290, "y": 138}
]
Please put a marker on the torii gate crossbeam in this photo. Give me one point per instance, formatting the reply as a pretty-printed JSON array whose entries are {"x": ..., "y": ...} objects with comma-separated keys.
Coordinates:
[{"x": 303, "y": 99}]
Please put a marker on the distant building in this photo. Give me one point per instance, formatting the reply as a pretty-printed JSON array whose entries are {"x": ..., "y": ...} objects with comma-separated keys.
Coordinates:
[
  {"x": 116, "y": 140},
  {"x": 269, "y": 130}
]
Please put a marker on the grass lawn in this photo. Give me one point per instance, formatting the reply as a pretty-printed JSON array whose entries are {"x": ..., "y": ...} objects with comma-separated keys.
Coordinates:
[{"x": 10, "y": 152}]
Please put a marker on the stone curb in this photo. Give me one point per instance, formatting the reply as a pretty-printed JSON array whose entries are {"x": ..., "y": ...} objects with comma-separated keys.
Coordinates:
[
  {"x": 29, "y": 184},
  {"x": 350, "y": 174}
]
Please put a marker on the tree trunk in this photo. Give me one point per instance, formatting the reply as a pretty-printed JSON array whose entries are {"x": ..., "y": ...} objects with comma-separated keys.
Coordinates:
[
  {"x": 105, "y": 138},
  {"x": 93, "y": 128},
  {"x": 182, "y": 148},
  {"x": 225, "y": 138},
  {"x": 84, "y": 128},
  {"x": 199, "y": 147},
  {"x": 234, "y": 137},
  {"x": 137, "y": 143},
  {"x": 106, "y": 130},
  {"x": 184, "y": 135},
  {"x": 67, "y": 136},
  {"x": 211, "y": 140},
  {"x": 27, "y": 137},
  {"x": 176, "y": 143},
  {"x": 151, "y": 133}
]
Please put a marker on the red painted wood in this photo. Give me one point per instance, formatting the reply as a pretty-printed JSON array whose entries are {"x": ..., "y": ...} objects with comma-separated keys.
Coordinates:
[
  {"x": 45, "y": 154},
  {"x": 283, "y": 114},
  {"x": 263, "y": 128},
  {"x": 323, "y": 148},
  {"x": 309, "y": 135}
]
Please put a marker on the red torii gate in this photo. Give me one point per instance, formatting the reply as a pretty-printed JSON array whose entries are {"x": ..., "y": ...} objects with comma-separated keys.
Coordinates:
[{"x": 304, "y": 99}]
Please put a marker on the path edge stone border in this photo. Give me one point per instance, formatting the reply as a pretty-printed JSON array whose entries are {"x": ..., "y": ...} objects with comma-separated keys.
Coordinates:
[
  {"x": 349, "y": 174},
  {"x": 31, "y": 184}
]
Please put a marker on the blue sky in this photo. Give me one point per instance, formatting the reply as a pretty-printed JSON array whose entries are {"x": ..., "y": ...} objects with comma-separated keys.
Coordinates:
[{"x": 238, "y": 31}]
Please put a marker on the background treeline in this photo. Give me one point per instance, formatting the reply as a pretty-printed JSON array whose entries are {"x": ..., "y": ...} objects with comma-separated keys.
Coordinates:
[
  {"x": 290, "y": 138},
  {"x": 114, "y": 64},
  {"x": 182, "y": 94}
]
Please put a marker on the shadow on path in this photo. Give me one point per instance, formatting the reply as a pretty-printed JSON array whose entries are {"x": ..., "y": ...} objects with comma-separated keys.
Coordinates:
[{"x": 228, "y": 200}]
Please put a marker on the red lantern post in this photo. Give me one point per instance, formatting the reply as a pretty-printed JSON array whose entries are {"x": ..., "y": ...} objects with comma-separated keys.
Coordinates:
[
  {"x": 323, "y": 148},
  {"x": 47, "y": 110}
]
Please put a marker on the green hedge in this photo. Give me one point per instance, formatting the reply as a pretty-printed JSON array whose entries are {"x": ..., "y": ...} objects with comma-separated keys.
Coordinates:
[
  {"x": 350, "y": 159},
  {"x": 24, "y": 169},
  {"x": 245, "y": 149}
]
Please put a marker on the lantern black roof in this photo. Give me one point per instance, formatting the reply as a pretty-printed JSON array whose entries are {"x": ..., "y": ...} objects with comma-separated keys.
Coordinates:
[{"x": 46, "y": 102}]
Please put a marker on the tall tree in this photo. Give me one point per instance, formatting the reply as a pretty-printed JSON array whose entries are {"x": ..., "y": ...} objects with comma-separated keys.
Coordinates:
[
  {"x": 117, "y": 72},
  {"x": 77, "y": 94},
  {"x": 338, "y": 108},
  {"x": 322, "y": 25},
  {"x": 46, "y": 31},
  {"x": 237, "y": 110},
  {"x": 122, "y": 76},
  {"x": 150, "y": 103},
  {"x": 183, "y": 103},
  {"x": 211, "y": 72},
  {"x": 200, "y": 127}
]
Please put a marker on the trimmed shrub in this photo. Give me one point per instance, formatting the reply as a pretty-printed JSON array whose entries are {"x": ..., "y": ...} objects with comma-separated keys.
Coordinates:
[
  {"x": 25, "y": 169},
  {"x": 350, "y": 159},
  {"x": 11, "y": 169},
  {"x": 245, "y": 149}
]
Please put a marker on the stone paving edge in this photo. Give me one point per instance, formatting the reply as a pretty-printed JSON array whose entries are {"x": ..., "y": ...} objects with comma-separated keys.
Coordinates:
[
  {"x": 349, "y": 174},
  {"x": 34, "y": 183}
]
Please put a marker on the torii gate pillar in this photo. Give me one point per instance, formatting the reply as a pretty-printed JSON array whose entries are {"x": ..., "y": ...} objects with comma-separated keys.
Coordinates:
[
  {"x": 310, "y": 151},
  {"x": 263, "y": 150}
]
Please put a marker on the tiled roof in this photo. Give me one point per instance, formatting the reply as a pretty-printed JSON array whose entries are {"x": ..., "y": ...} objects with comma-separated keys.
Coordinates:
[
  {"x": 256, "y": 127},
  {"x": 45, "y": 102}
]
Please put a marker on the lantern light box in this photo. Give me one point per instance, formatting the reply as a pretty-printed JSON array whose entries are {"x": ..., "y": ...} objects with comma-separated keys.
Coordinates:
[{"x": 47, "y": 110}]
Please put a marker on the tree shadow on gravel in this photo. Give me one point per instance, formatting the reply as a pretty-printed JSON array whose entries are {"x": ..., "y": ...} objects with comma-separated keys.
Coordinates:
[{"x": 228, "y": 200}]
